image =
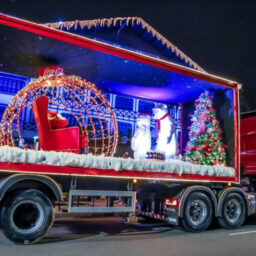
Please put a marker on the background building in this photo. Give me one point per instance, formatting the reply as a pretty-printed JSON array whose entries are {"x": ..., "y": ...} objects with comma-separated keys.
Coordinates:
[{"x": 126, "y": 110}]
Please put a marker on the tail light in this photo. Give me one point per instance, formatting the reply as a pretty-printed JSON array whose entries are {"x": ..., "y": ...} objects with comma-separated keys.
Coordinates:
[{"x": 172, "y": 202}]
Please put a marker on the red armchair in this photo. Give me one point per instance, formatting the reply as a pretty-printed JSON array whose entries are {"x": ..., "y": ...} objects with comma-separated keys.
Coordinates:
[{"x": 64, "y": 139}]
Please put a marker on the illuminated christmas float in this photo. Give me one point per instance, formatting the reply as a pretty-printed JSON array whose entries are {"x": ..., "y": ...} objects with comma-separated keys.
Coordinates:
[
  {"x": 97, "y": 139},
  {"x": 127, "y": 76},
  {"x": 77, "y": 123}
]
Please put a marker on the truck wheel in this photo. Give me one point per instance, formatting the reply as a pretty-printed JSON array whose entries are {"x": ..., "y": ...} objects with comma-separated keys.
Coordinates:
[
  {"x": 233, "y": 211},
  {"x": 27, "y": 216},
  {"x": 198, "y": 212}
]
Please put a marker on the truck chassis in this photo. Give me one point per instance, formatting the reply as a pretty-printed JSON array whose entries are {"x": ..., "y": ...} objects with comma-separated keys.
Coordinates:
[{"x": 28, "y": 200}]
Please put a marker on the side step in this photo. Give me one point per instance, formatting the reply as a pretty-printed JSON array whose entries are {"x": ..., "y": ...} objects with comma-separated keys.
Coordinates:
[{"x": 84, "y": 201}]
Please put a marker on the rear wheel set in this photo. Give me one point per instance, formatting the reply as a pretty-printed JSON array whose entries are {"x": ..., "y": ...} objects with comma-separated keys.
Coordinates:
[
  {"x": 233, "y": 211},
  {"x": 198, "y": 212}
]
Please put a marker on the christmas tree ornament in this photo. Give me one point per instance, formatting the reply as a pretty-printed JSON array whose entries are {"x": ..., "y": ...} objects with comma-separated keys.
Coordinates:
[{"x": 205, "y": 144}]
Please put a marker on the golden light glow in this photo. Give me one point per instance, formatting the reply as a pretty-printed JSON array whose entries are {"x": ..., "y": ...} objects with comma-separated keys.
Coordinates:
[{"x": 85, "y": 103}]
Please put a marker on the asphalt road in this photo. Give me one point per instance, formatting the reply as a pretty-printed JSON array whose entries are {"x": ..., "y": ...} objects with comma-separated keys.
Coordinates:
[{"x": 111, "y": 236}]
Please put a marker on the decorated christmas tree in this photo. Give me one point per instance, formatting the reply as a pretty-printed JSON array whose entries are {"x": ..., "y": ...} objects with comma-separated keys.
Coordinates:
[{"x": 205, "y": 136}]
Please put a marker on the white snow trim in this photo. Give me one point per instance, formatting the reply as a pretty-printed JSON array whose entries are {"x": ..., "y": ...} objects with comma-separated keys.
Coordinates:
[{"x": 17, "y": 155}]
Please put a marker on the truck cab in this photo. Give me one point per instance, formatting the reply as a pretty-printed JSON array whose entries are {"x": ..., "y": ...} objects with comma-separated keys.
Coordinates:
[{"x": 248, "y": 143}]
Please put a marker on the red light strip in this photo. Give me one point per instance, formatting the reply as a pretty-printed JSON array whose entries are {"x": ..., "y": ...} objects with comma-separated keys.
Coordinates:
[
  {"x": 104, "y": 173},
  {"x": 181, "y": 127},
  {"x": 236, "y": 135}
]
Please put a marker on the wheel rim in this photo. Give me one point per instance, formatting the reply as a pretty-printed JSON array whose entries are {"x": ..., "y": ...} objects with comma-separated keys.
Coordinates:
[
  {"x": 196, "y": 211},
  {"x": 233, "y": 210},
  {"x": 27, "y": 216}
]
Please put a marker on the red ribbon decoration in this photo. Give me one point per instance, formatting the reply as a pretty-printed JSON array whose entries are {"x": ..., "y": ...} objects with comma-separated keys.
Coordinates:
[{"x": 158, "y": 125}]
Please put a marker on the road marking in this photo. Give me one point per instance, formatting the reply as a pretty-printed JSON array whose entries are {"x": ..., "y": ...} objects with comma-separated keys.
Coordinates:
[
  {"x": 242, "y": 233},
  {"x": 154, "y": 230}
]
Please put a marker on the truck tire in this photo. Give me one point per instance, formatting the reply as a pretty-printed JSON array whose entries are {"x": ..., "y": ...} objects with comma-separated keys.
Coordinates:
[
  {"x": 233, "y": 211},
  {"x": 27, "y": 216},
  {"x": 198, "y": 212}
]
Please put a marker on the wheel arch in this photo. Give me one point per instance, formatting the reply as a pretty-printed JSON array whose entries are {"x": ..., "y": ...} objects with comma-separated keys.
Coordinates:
[
  {"x": 227, "y": 191},
  {"x": 192, "y": 189},
  {"x": 26, "y": 181}
]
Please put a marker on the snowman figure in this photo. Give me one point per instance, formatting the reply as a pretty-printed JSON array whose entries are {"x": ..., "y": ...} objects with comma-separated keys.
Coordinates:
[
  {"x": 141, "y": 140},
  {"x": 166, "y": 134}
]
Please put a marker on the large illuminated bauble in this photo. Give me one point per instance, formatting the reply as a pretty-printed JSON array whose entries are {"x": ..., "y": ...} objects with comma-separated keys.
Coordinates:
[{"x": 88, "y": 107}]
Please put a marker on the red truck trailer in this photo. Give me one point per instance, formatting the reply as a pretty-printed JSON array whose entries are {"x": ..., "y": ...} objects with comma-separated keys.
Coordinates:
[{"x": 176, "y": 191}]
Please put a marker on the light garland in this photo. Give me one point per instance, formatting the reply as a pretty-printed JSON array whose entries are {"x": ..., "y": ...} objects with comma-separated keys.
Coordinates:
[{"x": 81, "y": 95}]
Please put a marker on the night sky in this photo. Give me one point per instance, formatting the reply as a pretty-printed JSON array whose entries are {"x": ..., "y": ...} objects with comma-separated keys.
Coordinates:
[{"x": 219, "y": 35}]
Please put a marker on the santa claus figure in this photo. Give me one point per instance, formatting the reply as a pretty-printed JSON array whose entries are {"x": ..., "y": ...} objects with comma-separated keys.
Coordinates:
[
  {"x": 166, "y": 135},
  {"x": 141, "y": 140},
  {"x": 57, "y": 121}
]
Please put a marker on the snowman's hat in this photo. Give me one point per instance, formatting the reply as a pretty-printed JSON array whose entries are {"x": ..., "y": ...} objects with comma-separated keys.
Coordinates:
[{"x": 144, "y": 114}]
